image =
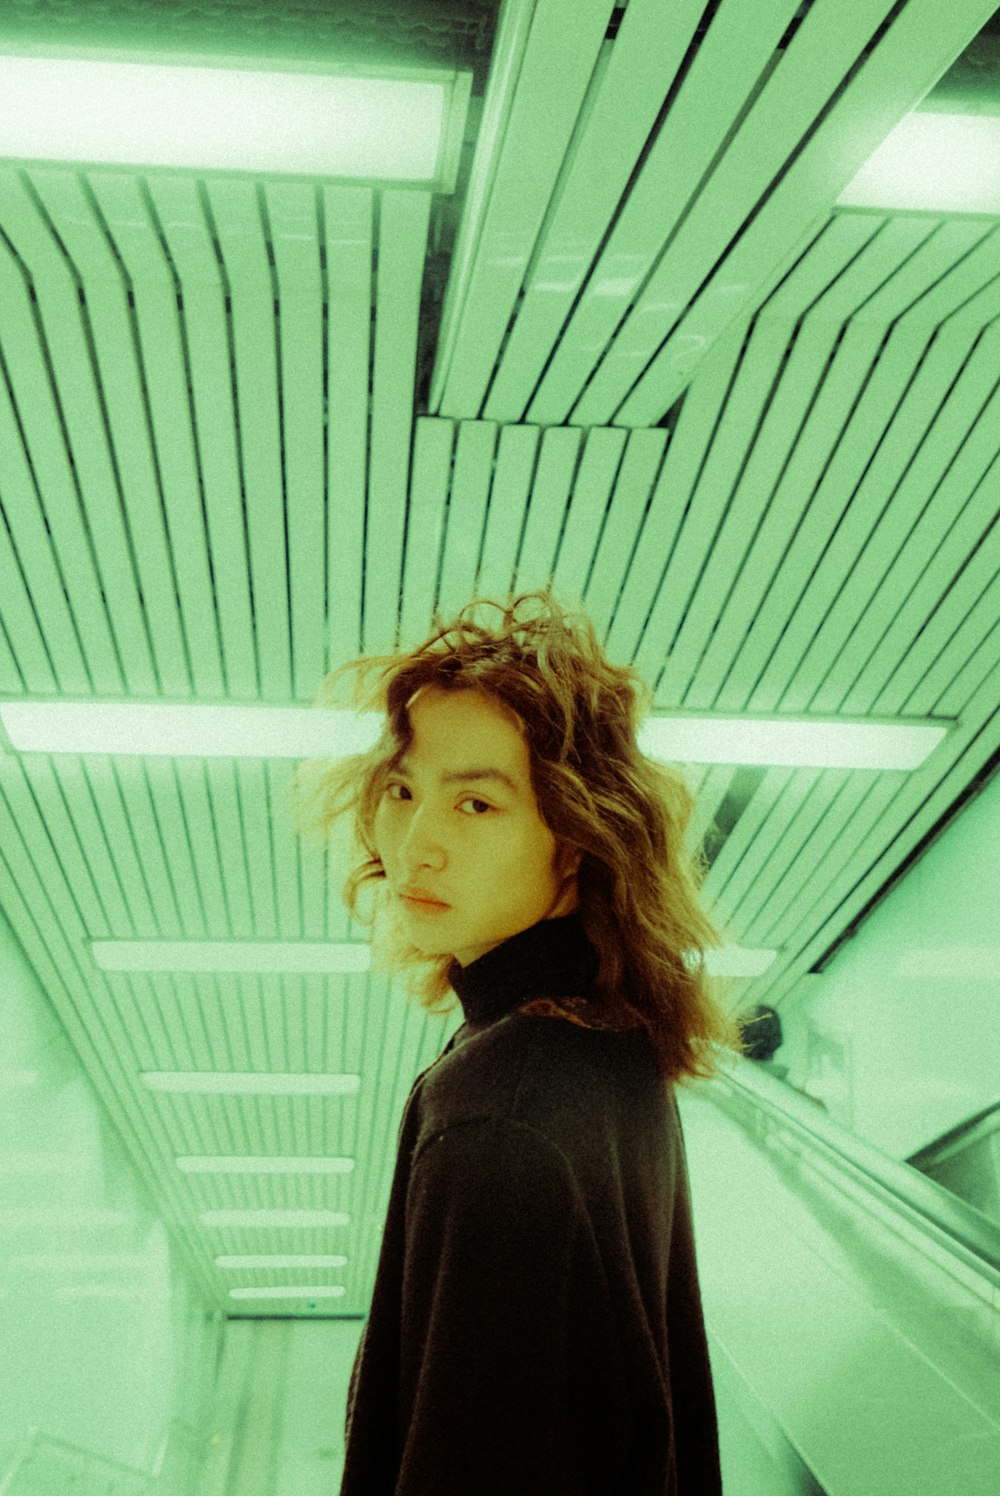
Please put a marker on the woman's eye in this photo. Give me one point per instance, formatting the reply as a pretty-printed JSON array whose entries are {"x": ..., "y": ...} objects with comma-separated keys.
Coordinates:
[{"x": 469, "y": 799}]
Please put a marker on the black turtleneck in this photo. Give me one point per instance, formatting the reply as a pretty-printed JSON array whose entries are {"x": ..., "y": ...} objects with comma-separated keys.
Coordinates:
[
  {"x": 552, "y": 958},
  {"x": 536, "y": 1325}
]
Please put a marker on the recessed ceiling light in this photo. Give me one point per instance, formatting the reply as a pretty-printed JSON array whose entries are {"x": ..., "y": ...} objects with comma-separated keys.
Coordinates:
[
  {"x": 302, "y": 732},
  {"x": 233, "y": 114},
  {"x": 937, "y": 163}
]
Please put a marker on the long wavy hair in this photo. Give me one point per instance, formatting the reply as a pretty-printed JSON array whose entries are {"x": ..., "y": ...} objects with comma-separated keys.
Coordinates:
[{"x": 638, "y": 885}]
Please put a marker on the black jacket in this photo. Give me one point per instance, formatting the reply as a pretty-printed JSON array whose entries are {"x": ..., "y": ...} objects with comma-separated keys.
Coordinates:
[{"x": 536, "y": 1325}]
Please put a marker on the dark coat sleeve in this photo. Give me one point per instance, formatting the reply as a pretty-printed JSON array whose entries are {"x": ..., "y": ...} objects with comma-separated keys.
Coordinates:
[{"x": 510, "y": 1369}]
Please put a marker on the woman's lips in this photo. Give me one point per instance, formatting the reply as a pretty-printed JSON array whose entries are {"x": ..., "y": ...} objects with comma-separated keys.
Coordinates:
[{"x": 424, "y": 905}]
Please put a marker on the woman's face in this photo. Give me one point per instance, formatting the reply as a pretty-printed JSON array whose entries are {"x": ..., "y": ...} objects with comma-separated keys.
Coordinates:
[{"x": 478, "y": 845}]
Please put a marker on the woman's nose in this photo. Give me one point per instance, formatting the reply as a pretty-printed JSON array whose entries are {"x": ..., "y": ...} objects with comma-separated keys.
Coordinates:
[{"x": 422, "y": 836}]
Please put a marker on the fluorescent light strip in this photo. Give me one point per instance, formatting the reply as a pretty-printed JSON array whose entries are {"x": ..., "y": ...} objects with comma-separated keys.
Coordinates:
[
  {"x": 955, "y": 963},
  {"x": 248, "y": 1083},
  {"x": 243, "y": 1264},
  {"x": 191, "y": 731},
  {"x": 223, "y": 1164},
  {"x": 291, "y": 118},
  {"x": 149, "y": 731},
  {"x": 790, "y": 742},
  {"x": 934, "y": 163},
  {"x": 284, "y": 957},
  {"x": 333, "y": 1291},
  {"x": 274, "y": 1218}
]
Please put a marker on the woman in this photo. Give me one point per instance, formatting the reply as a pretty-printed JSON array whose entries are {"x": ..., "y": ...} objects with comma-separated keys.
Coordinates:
[{"x": 536, "y": 1325}]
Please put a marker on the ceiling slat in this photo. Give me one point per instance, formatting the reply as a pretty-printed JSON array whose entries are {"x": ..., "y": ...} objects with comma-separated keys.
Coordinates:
[
  {"x": 291, "y": 210},
  {"x": 236, "y": 213},
  {"x": 348, "y": 214},
  {"x": 202, "y": 831},
  {"x": 926, "y": 264},
  {"x": 551, "y": 486},
  {"x": 404, "y": 218},
  {"x": 835, "y": 256},
  {"x": 432, "y": 444},
  {"x": 849, "y": 813},
  {"x": 734, "y": 879},
  {"x": 225, "y": 826},
  {"x": 466, "y": 512},
  {"x": 815, "y": 817},
  {"x": 61, "y": 781},
  {"x": 137, "y": 802},
  {"x": 516, "y": 457},
  {"x": 722, "y": 875},
  {"x": 194, "y": 251},
  {"x": 286, "y": 856},
  {"x": 255, "y": 822},
  {"x": 708, "y": 790},
  {"x": 724, "y": 520}
]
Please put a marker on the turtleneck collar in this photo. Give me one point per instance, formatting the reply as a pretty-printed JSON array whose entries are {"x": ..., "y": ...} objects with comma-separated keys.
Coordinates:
[{"x": 552, "y": 958}]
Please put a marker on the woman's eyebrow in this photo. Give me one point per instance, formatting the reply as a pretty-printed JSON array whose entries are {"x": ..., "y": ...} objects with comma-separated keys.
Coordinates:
[{"x": 463, "y": 776}]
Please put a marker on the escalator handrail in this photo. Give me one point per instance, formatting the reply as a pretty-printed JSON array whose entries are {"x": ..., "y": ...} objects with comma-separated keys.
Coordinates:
[{"x": 963, "y": 1229}]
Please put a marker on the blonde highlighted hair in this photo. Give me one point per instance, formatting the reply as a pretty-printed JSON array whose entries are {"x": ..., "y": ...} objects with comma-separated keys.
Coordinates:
[{"x": 639, "y": 886}]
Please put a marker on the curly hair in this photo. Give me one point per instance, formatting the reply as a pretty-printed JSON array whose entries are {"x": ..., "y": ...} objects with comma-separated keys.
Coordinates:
[{"x": 638, "y": 886}]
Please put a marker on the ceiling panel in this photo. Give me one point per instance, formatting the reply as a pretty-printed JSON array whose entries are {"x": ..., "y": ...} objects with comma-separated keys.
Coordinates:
[{"x": 756, "y": 437}]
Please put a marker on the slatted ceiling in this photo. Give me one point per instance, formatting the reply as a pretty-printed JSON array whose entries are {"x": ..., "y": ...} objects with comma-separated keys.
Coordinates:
[
  {"x": 558, "y": 455},
  {"x": 110, "y": 337},
  {"x": 467, "y": 507},
  {"x": 811, "y": 534},
  {"x": 944, "y": 534},
  {"x": 349, "y": 215},
  {"x": 402, "y": 245},
  {"x": 552, "y": 80},
  {"x": 751, "y": 603},
  {"x": 824, "y": 131},
  {"x": 429, "y": 481},
  {"x": 969, "y": 656},
  {"x": 518, "y": 454},
  {"x": 922, "y": 41},
  {"x": 823, "y": 47},
  {"x": 936, "y": 593},
  {"x": 47, "y": 651},
  {"x": 623, "y": 524},
  {"x": 165, "y": 419},
  {"x": 713, "y": 90},
  {"x": 648, "y": 49}
]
